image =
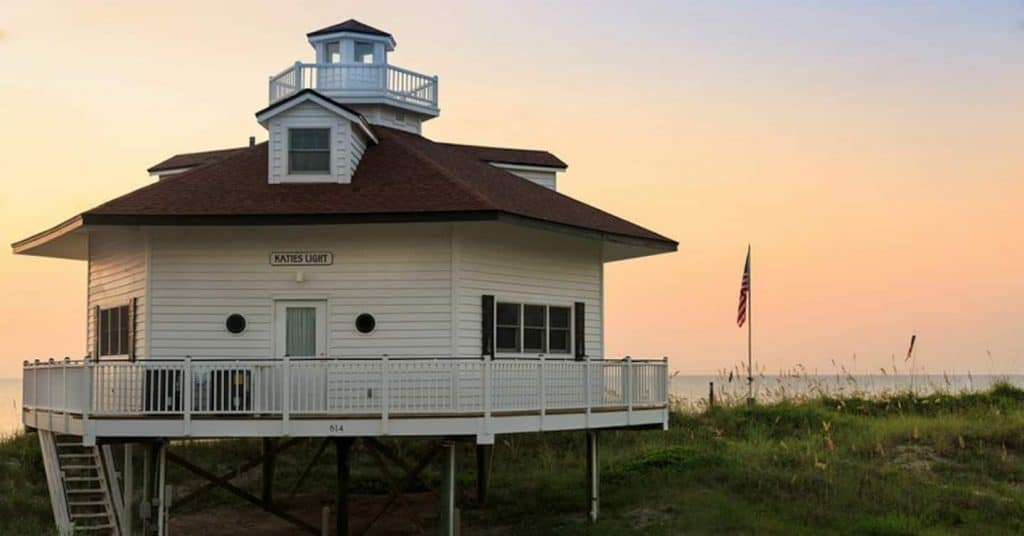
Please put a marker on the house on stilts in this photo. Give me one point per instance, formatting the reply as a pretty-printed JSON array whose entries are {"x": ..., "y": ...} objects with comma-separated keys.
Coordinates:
[{"x": 348, "y": 278}]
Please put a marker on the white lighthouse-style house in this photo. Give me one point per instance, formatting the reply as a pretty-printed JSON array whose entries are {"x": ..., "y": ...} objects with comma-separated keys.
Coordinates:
[{"x": 348, "y": 278}]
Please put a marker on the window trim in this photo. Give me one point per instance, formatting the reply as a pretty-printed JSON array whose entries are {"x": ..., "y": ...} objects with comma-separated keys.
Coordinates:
[
  {"x": 519, "y": 326},
  {"x": 546, "y": 353},
  {"x": 128, "y": 325},
  {"x": 329, "y": 172}
]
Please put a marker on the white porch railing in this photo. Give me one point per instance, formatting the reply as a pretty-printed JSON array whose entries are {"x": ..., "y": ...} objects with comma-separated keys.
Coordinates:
[
  {"x": 381, "y": 388},
  {"x": 356, "y": 80}
]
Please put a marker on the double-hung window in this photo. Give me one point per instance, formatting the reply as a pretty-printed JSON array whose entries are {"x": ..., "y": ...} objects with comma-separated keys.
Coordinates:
[
  {"x": 309, "y": 151},
  {"x": 509, "y": 325},
  {"x": 113, "y": 328},
  {"x": 534, "y": 329}
]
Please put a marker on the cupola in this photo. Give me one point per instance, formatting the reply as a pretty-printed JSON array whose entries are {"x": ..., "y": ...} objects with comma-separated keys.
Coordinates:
[{"x": 351, "y": 67}]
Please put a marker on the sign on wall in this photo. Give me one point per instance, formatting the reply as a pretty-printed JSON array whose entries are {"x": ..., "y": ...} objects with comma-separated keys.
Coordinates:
[{"x": 301, "y": 258}]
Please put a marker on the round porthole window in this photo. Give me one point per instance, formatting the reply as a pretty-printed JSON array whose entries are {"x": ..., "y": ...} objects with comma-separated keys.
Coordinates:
[
  {"x": 365, "y": 323},
  {"x": 235, "y": 323}
]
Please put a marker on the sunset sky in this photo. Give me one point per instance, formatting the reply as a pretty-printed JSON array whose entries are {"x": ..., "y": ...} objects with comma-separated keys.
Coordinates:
[{"x": 872, "y": 153}]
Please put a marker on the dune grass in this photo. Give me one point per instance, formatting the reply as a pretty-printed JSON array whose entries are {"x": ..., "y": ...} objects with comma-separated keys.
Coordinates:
[{"x": 899, "y": 464}]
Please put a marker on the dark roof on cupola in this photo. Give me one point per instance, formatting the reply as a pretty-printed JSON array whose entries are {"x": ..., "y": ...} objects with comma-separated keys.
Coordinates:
[
  {"x": 351, "y": 25},
  {"x": 404, "y": 177}
]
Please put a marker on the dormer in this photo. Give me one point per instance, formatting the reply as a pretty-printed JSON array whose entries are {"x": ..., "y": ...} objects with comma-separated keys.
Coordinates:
[
  {"x": 313, "y": 139},
  {"x": 351, "y": 67}
]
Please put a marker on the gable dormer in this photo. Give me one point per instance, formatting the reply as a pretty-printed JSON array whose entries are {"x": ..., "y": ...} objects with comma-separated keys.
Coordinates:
[
  {"x": 313, "y": 139},
  {"x": 351, "y": 66}
]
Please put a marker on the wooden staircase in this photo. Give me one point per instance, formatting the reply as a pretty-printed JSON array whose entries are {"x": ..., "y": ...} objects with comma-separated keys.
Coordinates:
[{"x": 80, "y": 490}]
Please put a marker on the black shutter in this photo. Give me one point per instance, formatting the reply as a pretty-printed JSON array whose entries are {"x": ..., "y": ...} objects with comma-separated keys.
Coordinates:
[
  {"x": 131, "y": 329},
  {"x": 487, "y": 326},
  {"x": 579, "y": 312}
]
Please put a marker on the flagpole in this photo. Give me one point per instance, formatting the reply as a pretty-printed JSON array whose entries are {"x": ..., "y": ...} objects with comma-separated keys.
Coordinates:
[{"x": 750, "y": 331}]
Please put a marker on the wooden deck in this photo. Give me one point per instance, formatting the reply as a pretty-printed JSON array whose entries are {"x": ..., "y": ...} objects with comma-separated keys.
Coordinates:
[{"x": 341, "y": 397}]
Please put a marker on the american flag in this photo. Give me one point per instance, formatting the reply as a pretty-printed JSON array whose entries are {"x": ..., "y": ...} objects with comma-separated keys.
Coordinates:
[{"x": 741, "y": 315}]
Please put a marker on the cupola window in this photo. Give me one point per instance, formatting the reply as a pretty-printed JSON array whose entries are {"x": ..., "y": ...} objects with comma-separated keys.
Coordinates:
[
  {"x": 333, "y": 52},
  {"x": 364, "y": 52},
  {"x": 309, "y": 151}
]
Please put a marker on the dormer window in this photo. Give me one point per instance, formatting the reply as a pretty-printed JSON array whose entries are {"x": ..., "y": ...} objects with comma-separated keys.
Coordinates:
[
  {"x": 309, "y": 151},
  {"x": 363, "y": 52}
]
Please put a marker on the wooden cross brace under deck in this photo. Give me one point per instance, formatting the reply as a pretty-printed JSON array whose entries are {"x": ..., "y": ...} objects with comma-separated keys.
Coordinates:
[{"x": 242, "y": 494}]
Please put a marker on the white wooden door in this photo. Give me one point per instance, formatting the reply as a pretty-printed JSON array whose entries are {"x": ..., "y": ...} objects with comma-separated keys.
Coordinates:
[{"x": 301, "y": 328}]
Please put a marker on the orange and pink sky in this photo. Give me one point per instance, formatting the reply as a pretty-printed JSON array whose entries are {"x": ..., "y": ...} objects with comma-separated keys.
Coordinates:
[{"x": 870, "y": 152}]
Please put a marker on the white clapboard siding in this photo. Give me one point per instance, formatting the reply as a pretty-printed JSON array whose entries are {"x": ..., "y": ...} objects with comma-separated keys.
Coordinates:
[
  {"x": 357, "y": 146},
  {"x": 388, "y": 116},
  {"x": 399, "y": 273},
  {"x": 310, "y": 115},
  {"x": 544, "y": 178},
  {"x": 117, "y": 273},
  {"x": 525, "y": 266}
]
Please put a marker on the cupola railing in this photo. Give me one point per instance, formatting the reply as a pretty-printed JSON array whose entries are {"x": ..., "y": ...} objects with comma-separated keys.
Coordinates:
[{"x": 359, "y": 81}]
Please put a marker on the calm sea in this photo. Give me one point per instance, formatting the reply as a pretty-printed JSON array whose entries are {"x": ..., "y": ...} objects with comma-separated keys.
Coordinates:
[{"x": 692, "y": 391}]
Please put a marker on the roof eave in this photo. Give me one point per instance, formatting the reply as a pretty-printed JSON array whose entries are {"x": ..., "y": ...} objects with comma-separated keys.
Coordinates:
[
  {"x": 64, "y": 240},
  {"x": 650, "y": 245}
]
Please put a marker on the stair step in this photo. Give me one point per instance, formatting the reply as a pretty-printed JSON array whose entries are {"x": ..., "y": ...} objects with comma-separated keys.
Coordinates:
[
  {"x": 94, "y": 527},
  {"x": 80, "y": 491},
  {"x": 75, "y": 455},
  {"x": 89, "y": 514},
  {"x": 87, "y": 503},
  {"x": 81, "y": 479}
]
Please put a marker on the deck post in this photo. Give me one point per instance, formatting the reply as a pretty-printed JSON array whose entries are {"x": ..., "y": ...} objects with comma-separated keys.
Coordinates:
[
  {"x": 286, "y": 396},
  {"x": 161, "y": 492},
  {"x": 145, "y": 506},
  {"x": 87, "y": 389},
  {"x": 593, "y": 476},
  {"x": 128, "y": 499},
  {"x": 484, "y": 457},
  {"x": 541, "y": 392},
  {"x": 385, "y": 393},
  {"x": 343, "y": 446},
  {"x": 267, "y": 481},
  {"x": 186, "y": 402},
  {"x": 587, "y": 390},
  {"x": 628, "y": 390},
  {"x": 448, "y": 489}
]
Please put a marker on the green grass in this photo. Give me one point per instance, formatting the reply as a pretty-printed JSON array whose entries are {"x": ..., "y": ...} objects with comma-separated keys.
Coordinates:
[{"x": 903, "y": 464}]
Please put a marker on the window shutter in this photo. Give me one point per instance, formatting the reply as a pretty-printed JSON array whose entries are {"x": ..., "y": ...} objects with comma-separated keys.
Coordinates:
[
  {"x": 487, "y": 326},
  {"x": 579, "y": 312},
  {"x": 96, "y": 332},
  {"x": 131, "y": 329}
]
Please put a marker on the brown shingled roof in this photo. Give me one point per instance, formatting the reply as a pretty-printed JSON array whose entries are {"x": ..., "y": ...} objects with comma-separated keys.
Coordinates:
[
  {"x": 501, "y": 155},
  {"x": 405, "y": 177},
  {"x": 188, "y": 160}
]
